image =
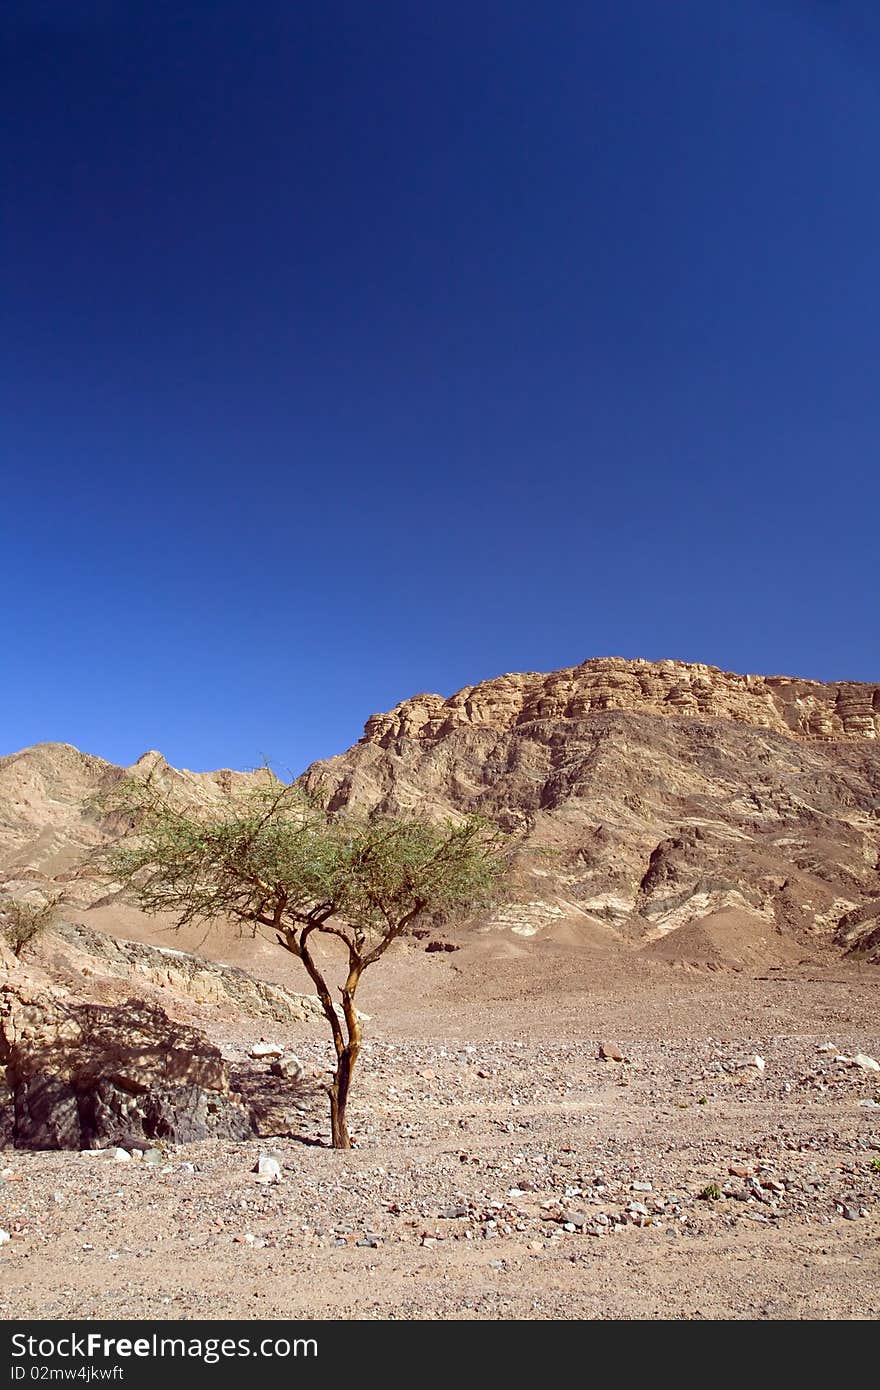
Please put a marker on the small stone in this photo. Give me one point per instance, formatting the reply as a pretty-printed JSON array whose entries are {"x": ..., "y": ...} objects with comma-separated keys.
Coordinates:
[
  {"x": 641, "y": 1187},
  {"x": 263, "y": 1051},
  {"x": 574, "y": 1220},
  {"x": 121, "y": 1155},
  {"x": 850, "y": 1213},
  {"x": 609, "y": 1052},
  {"x": 759, "y": 1062},
  {"x": 152, "y": 1157},
  {"x": 289, "y": 1068},
  {"x": 4, "y": 1237},
  {"x": 828, "y": 1047},
  {"x": 453, "y": 1213}
]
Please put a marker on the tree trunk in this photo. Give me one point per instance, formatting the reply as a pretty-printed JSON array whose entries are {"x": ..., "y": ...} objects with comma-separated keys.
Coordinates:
[
  {"x": 346, "y": 1050},
  {"x": 346, "y": 1058},
  {"x": 340, "y": 1137}
]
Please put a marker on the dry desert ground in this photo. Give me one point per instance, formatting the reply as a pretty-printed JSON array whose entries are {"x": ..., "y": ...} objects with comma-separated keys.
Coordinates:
[{"x": 503, "y": 1169}]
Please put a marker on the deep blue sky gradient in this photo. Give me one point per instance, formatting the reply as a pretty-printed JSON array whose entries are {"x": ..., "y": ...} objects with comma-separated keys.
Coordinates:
[{"x": 356, "y": 350}]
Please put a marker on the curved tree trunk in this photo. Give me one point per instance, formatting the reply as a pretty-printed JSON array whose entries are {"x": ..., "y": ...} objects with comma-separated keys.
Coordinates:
[
  {"x": 346, "y": 1060},
  {"x": 339, "y": 1135},
  {"x": 346, "y": 1050}
]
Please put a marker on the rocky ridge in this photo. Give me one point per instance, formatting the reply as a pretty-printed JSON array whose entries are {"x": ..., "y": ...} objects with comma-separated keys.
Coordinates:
[
  {"x": 51, "y": 816},
  {"x": 77, "y": 949},
  {"x": 803, "y": 708}
]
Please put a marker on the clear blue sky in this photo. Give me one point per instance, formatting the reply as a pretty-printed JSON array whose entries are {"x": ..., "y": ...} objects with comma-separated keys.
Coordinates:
[{"x": 353, "y": 350}]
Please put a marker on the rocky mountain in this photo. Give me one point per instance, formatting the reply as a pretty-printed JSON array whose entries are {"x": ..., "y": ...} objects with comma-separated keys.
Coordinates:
[
  {"x": 691, "y": 812},
  {"x": 687, "y": 813},
  {"x": 50, "y": 814}
]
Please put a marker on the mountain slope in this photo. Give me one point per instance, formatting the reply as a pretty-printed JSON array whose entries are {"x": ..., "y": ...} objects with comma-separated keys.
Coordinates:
[
  {"x": 665, "y": 792},
  {"x": 50, "y": 818}
]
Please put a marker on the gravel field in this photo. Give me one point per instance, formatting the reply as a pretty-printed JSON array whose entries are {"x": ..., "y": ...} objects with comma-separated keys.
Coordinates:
[{"x": 504, "y": 1169}]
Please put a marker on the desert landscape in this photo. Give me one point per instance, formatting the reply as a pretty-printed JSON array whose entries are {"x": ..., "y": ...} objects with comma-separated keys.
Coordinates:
[
  {"x": 440, "y": 702},
  {"x": 644, "y": 1084}
]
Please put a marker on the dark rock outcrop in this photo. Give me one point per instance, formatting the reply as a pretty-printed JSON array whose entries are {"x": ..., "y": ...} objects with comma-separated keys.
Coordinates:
[{"x": 84, "y": 1075}]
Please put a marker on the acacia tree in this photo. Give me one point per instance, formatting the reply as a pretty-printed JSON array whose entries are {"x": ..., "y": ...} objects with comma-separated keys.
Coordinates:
[
  {"x": 22, "y": 922},
  {"x": 280, "y": 861}
]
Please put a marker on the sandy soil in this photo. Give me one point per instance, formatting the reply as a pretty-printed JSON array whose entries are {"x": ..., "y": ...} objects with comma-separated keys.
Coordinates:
[{"x": 502, "y": 1169}]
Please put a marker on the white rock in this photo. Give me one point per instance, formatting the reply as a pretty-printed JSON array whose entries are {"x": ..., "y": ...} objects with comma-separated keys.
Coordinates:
[
  {"x": 268, "y": 1169},
  {"x": 121, "y": 1155},
  {"x": 4, "y": 1236},
  {"x": 828, "y": 1047},
  {"x": 759, "y": 1062},
  {"x": 262, "y": 1051},
  {"x": 866, "y": 1063}
]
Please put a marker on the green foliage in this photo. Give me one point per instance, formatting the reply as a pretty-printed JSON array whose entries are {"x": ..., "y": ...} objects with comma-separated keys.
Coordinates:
[
  {"x": 22, "y": 922},
  {"x": 278, "y": 858},
  {"x": 712, "y": 1193}
]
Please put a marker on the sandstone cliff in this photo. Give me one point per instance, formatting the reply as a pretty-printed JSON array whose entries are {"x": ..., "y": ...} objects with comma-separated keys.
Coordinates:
[{"x": 807, "y": 709}]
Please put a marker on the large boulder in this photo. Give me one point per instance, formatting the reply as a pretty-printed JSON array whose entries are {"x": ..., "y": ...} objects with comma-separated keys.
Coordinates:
[{"x": 85, "y": 1075}]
